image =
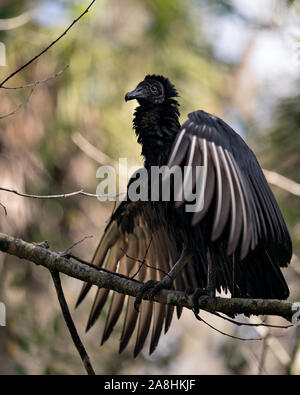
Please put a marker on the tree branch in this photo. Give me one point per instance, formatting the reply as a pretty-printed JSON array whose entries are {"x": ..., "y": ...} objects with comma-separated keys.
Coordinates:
[
  {"x": 48, "y": 47},
  {"x": 282, "y": 182},
  {"x": 39, "y": 82},
  {"x": 55, "y": 261},
  {"x": 17, "y": 21},
  {"x": 21, "y": 105},
  {"x": 70, "y": 324},
  {"x": 63, "y": 195}
]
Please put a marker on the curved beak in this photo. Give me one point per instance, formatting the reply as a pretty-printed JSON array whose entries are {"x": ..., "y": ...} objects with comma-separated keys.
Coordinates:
[{"x": 137, "y": 93}]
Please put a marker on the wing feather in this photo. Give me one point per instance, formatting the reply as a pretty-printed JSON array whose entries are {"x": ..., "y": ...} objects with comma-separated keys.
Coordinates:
[
  {"x": 233, "y": 235},
  {"x": 234, "y": 187},
  {"x": 159, "y": 309},
  {"x": 116, "y": 306},
  {"x": 207, "y": 182},
  {"x": 173, "y": 256},
  {"x": 246, "y": 223},
  {"x": 102, "y": 293},
  {"x": 110, "y": 236},
  {"x": 146, "y": 307},
  {"x": 187, "y": 184},
  {"x": 178, "y": 154},
  {"x": 131, "y": 314}
]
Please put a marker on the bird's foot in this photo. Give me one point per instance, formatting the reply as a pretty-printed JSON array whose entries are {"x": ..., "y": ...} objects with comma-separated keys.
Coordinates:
[
  {"x": 156, "y": 286},
  {"x": 189, "y": 292},
  {"x": 196, "y": 295}
]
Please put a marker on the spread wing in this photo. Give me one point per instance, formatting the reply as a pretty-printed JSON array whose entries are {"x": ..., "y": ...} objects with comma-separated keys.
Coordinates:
[
  {"x": 245, "y": 211},
  {"x": 241, "y": 210},
  {"x": 135, "y": 243}
]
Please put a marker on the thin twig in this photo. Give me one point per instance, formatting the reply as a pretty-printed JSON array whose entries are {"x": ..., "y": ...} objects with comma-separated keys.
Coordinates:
[
  {"x": 221, "y": 332},
  {"x": 4, "y": 208},
  {"x": 101, "y": 269},
  {"x": 91, "y": 151},
  {"x": 21, "y": 105},
  {"x": 70, "y": 324},
  {"x": 249, "y": 352},
  {"x": 63, "y": 195},
  {"x": 252, "y": 324},
  {"x": 94, "y": 153},
  {"x": 47, "y": 48},
  {"x": 143, "y": 261},
  {"x": 263, "y": 355},
  {"x": 17, "y": 21},
  {"x": 76, "y": 244},
  {"x": 282, "y": 182},
  {"x": 34, "y": 84},
  {"x": 294, "y": 352}
]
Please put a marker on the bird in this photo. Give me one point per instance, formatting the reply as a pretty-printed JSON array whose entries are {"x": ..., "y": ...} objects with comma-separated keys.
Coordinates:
[{"x": 236, "y": 242}]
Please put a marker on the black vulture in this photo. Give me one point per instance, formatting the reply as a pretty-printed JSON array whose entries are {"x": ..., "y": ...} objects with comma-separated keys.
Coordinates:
[{"x": 236, "y": 242}]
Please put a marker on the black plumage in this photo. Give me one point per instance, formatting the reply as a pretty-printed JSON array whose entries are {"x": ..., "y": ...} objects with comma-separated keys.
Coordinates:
[{"x": 239, "y": 232}]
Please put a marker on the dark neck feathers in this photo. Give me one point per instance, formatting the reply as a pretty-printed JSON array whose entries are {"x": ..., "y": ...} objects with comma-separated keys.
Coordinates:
[{"x": 156, "y": 126}]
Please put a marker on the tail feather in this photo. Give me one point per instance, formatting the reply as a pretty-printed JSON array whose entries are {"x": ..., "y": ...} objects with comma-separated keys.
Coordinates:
[{"x": 259, "y": 276}]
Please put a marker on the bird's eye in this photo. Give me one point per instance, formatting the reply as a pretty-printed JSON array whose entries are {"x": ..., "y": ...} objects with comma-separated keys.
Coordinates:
[{"x": 153, "y": 89}]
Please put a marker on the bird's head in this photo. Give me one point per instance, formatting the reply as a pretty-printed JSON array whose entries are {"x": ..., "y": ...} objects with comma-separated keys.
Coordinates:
[{"x": 154, "y": 89}]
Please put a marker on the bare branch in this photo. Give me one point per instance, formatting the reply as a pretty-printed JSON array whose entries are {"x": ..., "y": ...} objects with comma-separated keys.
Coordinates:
[
  {"x": 275, "y": 178},
  {"x": 34, "y": 84},
  {"x": 295, "y": 351},
  {"x": 70, "y": 324},
  {"x": 94, "y": 153},
  {"x": 224, "y": 333},
  {"x": 91, "y": 151},
  {"x": 282, "y": 182},
  {"x": 63, "y": 195},
  {"x": 17, "y": 21},
  {"x": 48, "y": 47},
  {"x": 4, "y": 208},
  {"x": 76, "y": 244},
  {"x": 99, "y": 268},
  {"x": 252, "y": 324},
  {"x": 18, "y": 107},
  {"x": 263, "y": 355},
  {"x": 60, "y": 196},
  {"x": 55, "y": 261}
]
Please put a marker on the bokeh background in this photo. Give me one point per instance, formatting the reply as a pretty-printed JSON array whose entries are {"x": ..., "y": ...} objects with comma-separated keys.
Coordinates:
[{"x": 237, "y": 59}]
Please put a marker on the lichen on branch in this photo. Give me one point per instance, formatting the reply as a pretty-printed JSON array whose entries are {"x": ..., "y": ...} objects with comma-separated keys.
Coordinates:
[{"x": 38, "y": 254}]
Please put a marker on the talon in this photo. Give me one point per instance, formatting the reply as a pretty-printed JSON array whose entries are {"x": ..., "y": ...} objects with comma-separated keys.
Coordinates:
[
  {"x": 165, "y": 283},
  {"x": 137, "y": 304},
  {"x": 156, "y": 289},
  {"x": 195, "y": 297},
  {"x": 156, "y": 285},
  {"x": 189, "y": 291},
  {"x": 144, "y": 288}
]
